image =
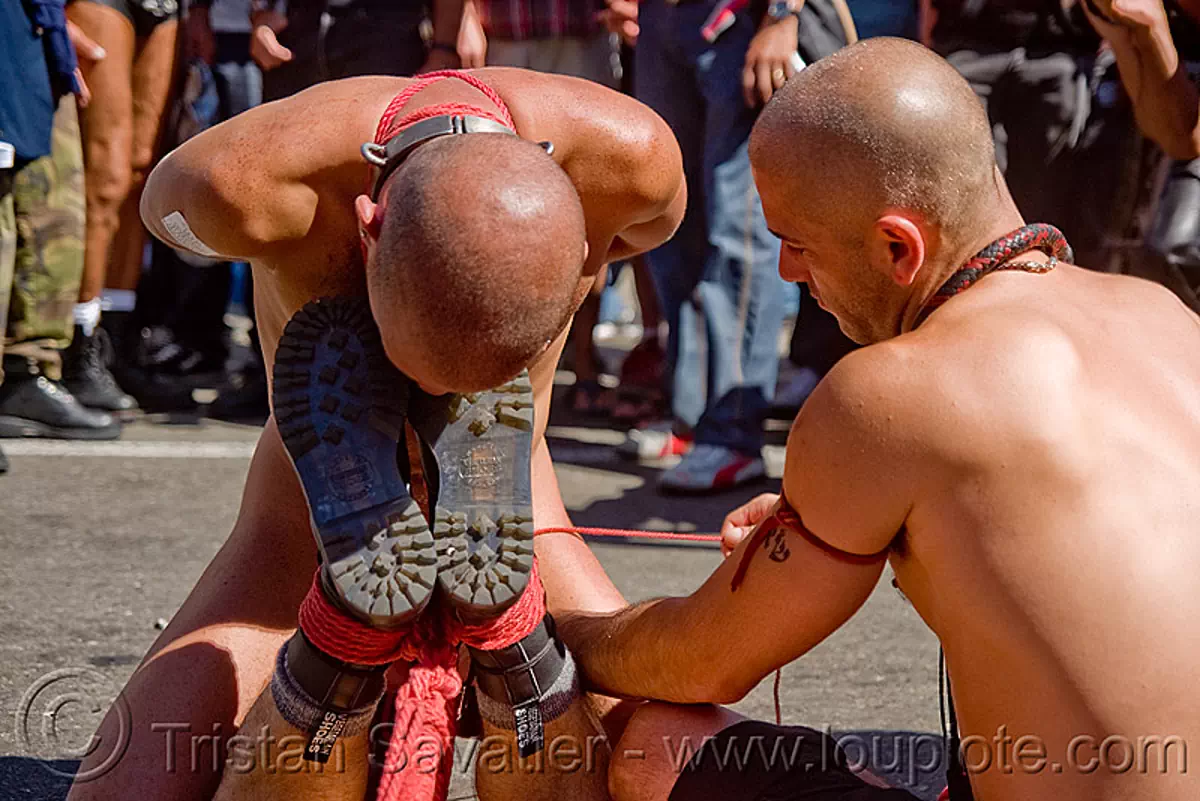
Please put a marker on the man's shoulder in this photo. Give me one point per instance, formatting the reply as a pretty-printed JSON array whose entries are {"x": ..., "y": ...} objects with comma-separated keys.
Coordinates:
[
  {"x": 883, "y": 377},
  {"x": 917, "y": 392}
]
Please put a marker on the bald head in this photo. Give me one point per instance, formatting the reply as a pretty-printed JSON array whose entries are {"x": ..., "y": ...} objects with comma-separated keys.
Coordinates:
[
  {"x": 884, "y": 123},
  {"x": 479, "y": 257}
]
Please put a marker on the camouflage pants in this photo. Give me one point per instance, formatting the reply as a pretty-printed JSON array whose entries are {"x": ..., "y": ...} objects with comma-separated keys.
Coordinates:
[{"x": 41, "y": 245}]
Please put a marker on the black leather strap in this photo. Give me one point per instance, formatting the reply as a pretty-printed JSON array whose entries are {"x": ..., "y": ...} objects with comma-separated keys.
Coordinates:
[
  {"x": 336, "y": 685},
  {"x": 523, "y": 672},
  {"x": 389, "y": 156}
]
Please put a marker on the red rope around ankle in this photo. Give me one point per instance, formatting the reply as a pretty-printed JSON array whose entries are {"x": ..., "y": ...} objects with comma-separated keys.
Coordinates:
[{"x": 426, "y": 705}]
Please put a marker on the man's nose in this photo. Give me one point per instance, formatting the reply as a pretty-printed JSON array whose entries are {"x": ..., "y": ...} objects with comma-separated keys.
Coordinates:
[{"x": 791, "y": 267}]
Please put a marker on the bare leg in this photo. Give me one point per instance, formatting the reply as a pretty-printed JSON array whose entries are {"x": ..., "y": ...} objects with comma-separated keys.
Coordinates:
[
  {"x": 574, "y": 762},
  {"x": 215, "y": 658},
  {"x": 586, "y": 318},
  {"x": 107, "y": 128},
  {"x": 645, "y": 762},
  {"x": 285, "y": 774},
  {"x": 647, "y": 299},
  {"x": 152, "y": 80},
  {"x": 255, "y": 774},
  {"x": 661, "y": 740}
]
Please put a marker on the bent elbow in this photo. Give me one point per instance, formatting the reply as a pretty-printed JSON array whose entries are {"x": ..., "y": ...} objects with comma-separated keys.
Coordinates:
[
  {"x": 717, "y": 688},
  {"x": 731, "y": 693},
  {"x": 1187, "y": 148}
]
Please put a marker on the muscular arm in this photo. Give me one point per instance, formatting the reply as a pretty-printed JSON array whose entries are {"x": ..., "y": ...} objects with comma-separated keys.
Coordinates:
[
  {"x": 1165, "y": 100},
  {"x": 715, "y": 645},
  {"x": 256, "y": 185},
  {"x": 621, "y": 156}
]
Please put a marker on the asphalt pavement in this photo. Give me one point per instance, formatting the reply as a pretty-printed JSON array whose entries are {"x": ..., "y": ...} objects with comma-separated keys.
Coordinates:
[{"x": 101, "y": 542}]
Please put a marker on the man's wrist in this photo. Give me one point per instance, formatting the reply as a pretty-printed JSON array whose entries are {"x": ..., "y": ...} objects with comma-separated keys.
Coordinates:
[{"x": 791, "y": 21}]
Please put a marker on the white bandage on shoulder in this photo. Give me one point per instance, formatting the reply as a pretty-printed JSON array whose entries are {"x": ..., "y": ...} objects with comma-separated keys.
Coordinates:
[{"x": 181, "y": 232}]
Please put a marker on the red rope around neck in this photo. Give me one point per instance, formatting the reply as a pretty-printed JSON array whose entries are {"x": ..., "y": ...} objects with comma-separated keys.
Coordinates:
[{"x": 389, "y": 126}]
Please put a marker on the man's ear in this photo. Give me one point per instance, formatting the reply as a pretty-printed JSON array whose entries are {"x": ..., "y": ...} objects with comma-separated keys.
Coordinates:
[
  {"x": 370, "y": 219},
  {"x": 898, "y": 246}
]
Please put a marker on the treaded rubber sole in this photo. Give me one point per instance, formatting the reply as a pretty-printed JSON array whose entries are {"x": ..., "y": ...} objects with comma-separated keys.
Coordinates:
[
  {"x": 483, "y": 523},
  {"x": 340, "y": 406}
]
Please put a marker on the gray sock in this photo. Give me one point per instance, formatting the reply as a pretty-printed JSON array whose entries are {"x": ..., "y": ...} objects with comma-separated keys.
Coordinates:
[
  {"x": 303, "y": 711},
  {"x": 554, "y": 703}
]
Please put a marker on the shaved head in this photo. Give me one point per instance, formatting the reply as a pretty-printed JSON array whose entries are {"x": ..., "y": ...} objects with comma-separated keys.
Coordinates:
[
  {"x": 883, "y": 130},
  {"x": 479, "y": 259},
  {"x": 883, "y": 123}
]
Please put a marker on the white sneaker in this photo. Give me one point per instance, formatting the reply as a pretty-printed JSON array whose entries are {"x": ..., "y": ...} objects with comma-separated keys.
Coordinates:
[
  {"x": 653, "y": 443},
  {"x": 711, "y": 468}
]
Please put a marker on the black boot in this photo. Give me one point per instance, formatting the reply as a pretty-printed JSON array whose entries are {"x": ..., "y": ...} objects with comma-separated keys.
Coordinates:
[
  {"x": 243, "y": 398},
  {"x": 32, "y": 405},
  {"x": 86, "y": 374},
  {"x": 3, "y": 463},
  {"x": 153, "y": 392}
]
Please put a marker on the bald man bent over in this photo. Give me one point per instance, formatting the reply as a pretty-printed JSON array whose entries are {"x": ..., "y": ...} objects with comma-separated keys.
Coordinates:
[
  {"x": 1022, "y": 447},
  {"x": 474, "y": 253}
]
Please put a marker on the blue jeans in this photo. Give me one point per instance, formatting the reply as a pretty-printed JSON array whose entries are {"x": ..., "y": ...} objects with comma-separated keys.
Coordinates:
[
  {"x": 717, "y": 279},
  {"x": 238, "y": 79}
]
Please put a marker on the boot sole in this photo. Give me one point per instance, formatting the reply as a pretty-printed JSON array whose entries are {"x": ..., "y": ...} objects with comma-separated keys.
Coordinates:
[
  {"x": 20, "y": 428},
  {"x": 483, "y": 523},
  {"x": 340, "y": 406}
]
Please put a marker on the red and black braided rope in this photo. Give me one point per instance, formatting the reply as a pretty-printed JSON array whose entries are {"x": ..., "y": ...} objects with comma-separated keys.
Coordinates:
[{"x": 996, "y": 256}]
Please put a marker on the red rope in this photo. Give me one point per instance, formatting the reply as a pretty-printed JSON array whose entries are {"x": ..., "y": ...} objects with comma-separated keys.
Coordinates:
[
  {"x": 622, "y": 532},
  {"x": 389, "y": 126},
  {"x": 786, "y": 516},
  {"x": 426, "y": 705}
]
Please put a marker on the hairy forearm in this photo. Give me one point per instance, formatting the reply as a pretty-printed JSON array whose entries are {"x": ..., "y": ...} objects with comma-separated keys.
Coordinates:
[
  {"x": 648, "y": 651},
  {"x": 1165, "y": 100}
]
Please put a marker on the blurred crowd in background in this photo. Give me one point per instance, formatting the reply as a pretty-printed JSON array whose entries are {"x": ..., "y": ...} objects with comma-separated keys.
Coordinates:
[{"x": 101, "y": 324}]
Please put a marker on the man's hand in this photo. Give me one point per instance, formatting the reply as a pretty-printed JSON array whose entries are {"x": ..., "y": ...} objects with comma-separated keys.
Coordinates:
[
  {"x": 621, "y": 17},
  {"x": 741, "y": 521},
  {"x": 198, "y": 40},
  {"x": 472, "y": 41},
  {"x": 265, "y": 48},
  {"x": 771, "y": 59},
  {"x": 1126, "y": 15},
  {"x": 88, "y": 53}
]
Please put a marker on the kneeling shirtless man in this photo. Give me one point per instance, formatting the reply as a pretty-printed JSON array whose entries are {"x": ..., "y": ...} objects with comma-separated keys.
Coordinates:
[
  {"x": 474, "y": 221},
  {"x": 1020, "y": 440}
]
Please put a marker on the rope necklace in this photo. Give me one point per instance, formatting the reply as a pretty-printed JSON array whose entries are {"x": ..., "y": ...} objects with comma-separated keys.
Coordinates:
[{"x": 996, "y": 257}]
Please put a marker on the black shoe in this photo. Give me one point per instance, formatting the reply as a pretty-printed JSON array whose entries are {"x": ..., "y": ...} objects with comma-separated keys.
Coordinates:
[
  {"x": 32, "y": 405},
  {"x": 340, "y": 406},
  {"x": 86, "y": 375},
  {"x": 243, "y": 399},
  {"x": 154, "y": 393},
  {"x": 3, "y": 463},
  {"x": 156, "y": 350}
]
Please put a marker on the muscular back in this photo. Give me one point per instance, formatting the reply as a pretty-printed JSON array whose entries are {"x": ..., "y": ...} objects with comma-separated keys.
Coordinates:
[
  {"x": 1053, "y": 541},
  {"x": 276, "y": 185}
]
